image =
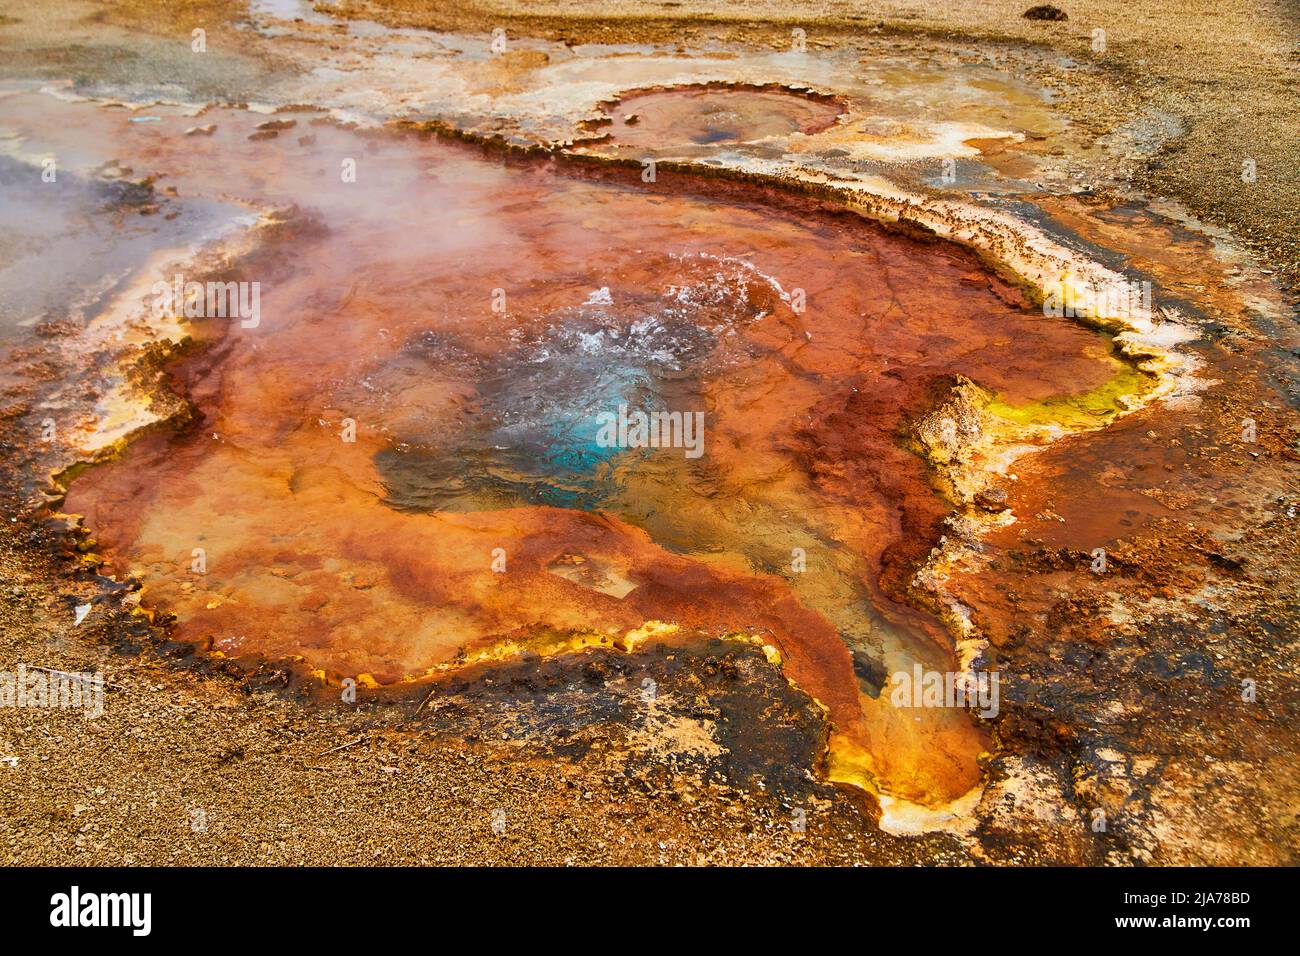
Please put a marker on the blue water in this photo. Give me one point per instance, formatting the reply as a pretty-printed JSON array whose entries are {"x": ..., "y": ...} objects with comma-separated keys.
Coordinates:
[{"x": 535, "y": 440}]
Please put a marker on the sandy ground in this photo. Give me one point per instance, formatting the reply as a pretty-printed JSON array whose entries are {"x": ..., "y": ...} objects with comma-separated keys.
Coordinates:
[
  {"x": 193, "y": 765},
  {"x": 188, "y": 765}
]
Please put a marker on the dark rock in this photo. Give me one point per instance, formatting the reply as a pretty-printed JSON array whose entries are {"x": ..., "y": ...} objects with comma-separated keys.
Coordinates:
[
  {"x": 1045, "y": 11},
  {"x": 870, "y": 672},
  {"x": 992, "y": 499}
]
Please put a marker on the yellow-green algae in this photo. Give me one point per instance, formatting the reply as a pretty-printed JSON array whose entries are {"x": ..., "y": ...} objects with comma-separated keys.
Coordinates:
[{"x": 1085, "y": 410}]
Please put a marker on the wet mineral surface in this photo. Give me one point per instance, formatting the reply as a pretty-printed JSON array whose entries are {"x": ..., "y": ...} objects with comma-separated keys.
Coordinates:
[{"x": 388, "y": 484}]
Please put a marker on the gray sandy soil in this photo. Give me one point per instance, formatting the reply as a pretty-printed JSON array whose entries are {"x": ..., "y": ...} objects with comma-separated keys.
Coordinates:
[{"x": 188, "y": 765}]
